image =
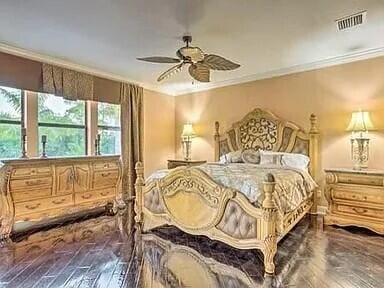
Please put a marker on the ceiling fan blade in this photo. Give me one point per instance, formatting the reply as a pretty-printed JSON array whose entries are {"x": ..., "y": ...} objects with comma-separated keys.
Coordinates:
[
  {"x": 199, "y": 72},
  {"x": 171, "y": 71},
  {"x": 216, "y": 62},
  {"x": 160, "y": 59}
]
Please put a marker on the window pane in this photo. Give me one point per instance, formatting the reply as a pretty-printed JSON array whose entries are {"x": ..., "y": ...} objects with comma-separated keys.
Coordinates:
[
  {"x": 53, "y": 109},
  {"x": 10, "y": 141},
  {"x": 63, "y": 141},
  {"x": 109, "y": 142},
  {"x": 10, "y": 104},
  {"x": 108, "y": 114}
]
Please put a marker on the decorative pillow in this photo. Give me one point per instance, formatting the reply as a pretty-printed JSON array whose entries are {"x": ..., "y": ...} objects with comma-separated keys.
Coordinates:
[
  {"x": 250, "y": 156},
  {"x": 270, "y": 158},
  {"x": 231, "y": 157},
  {"x": 294, "y": 160}
]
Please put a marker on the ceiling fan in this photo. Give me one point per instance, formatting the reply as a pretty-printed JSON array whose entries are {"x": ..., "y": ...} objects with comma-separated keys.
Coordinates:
[{"x": 199, "y": 63}]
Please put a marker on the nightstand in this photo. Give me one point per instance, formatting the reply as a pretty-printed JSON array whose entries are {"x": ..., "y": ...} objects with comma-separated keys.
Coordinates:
[
  {"x": 176, "y": 163},
  {"x": 355, "y": 198}
]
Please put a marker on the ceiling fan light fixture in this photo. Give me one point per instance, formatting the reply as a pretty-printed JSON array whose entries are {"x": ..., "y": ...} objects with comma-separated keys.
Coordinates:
[{"x": 199, "y": 63}]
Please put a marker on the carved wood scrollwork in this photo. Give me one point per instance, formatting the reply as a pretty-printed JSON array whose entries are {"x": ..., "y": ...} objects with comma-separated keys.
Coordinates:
[
  {"x": 258, "y": 133},
  {"x": 192, "y": 199},
  {"x": 269, "y": 251},
  {"x": 6, "y": 204}
]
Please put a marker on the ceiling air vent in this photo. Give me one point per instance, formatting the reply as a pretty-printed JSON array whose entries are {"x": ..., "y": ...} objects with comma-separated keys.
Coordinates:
[{"x": 351, "y": 21}]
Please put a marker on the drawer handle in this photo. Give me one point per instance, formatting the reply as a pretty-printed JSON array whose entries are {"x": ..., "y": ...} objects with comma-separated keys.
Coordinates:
[
  {"x": 360, "y": 211},
  {"x": 105, "y": 174},
  {"x": 58, "y": 201},
  {"x": 104, "y": 193},
  {"x": 32, "y": 207},
  {"x": 87, "y": 196},
  {"x": 31, "y": 182}
]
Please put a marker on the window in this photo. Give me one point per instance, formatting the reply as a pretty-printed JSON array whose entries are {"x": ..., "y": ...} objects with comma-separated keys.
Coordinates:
[
  {"x": 108, "y": 126},
  {"x": 63, "y": 122},
  {"x": 11, "y": 107}
]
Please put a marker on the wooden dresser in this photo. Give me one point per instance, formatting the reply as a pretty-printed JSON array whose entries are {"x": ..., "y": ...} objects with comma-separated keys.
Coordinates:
[
  {"x": 355, "y": 197},
  {"x": 38, "y": 189}
]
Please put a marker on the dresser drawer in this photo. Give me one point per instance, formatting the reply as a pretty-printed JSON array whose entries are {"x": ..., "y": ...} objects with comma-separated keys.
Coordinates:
[
  {"x": 42, "y": 204},
  {"x": 374, "y": 197},
  {"x": 105, "y": 178},
  {"x": 359, "y": 211},
  {"x": 360, "y": 179},
  {"x": 30, "y": 183},
  {"x": 31, "y": 194},
  {"x": 31, "y": 171},
  {"x": 94, "y": 195},
  {"x": 106, "y": 166}
]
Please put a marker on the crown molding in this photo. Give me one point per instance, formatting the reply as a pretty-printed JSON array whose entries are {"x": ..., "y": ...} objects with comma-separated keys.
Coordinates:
[
  {"x": 16, "y": 51},
  {"x": 332, "y": 61}
]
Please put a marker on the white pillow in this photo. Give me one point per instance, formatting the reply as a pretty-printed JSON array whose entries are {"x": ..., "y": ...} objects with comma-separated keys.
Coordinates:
[
  {"x": 294, "y": 160},
  {"x": 231, "y": 157},
  {"x": 270, "y": 158}
]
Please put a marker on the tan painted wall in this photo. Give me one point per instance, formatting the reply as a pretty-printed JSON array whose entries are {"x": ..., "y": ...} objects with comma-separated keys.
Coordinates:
[
  {"x": 159, "y": 130},
  {"x": 331, "y": 93}
]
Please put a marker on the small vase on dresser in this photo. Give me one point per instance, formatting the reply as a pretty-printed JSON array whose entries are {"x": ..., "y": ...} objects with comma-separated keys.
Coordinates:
[{"x": 355, "y": 198}]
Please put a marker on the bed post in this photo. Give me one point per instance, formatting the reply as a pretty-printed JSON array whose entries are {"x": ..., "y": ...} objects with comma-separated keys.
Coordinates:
[
  {"x": 139, "y": 184},
  {"x": 217, "y": 141},
  {"x": 268, "y": 229},
  {"x": 314, "y": 156}
]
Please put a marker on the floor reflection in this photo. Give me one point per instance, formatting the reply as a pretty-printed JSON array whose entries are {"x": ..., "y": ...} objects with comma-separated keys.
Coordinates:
[{"x": 105, "y": 252}]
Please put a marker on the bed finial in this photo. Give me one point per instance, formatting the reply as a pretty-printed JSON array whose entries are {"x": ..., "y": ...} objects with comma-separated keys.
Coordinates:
[
  {"x": 313, "y": 120},
  {"x": 217, "y": 140},
  {"x": 139, "y": 184},
  {"x": 268, "y": 227}
]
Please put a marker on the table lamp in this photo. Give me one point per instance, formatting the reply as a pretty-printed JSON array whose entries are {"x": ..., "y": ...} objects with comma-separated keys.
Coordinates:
[
  {"x": 359, "y": 125},
  {"x": 186, "y": 140}
]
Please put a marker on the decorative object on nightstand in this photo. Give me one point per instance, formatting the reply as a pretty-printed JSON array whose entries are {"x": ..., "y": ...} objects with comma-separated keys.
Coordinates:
[
  {"x": 44, "y": 143},
  {"x": 23, "y": 143},
  {"x": 177, "y": 163},
  {"x": 355, "y": 198},
  {"x": 186, "y": 140},
  {"x": 359, "y": 126}
]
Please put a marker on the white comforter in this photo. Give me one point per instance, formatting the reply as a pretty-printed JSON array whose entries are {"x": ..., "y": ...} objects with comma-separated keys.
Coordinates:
[{"x": 293, "y": 185}]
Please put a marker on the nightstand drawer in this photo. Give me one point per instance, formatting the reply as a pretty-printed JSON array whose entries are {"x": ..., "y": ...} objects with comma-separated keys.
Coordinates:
[
  {"x": 360, "y": 179},
  {"x": 359, "y": 211},
  {"x": 358, "y": 196}
]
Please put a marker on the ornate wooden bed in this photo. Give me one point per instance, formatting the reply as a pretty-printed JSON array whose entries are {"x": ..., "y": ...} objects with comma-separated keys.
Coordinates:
[{"x": 190, "y": 200}]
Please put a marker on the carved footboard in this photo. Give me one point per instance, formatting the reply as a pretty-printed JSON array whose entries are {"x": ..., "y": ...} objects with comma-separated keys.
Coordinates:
[{"x": 190, "y": 200}]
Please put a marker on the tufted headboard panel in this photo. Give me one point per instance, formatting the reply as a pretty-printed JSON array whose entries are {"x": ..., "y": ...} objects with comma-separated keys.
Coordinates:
[{"x": 261, "y": 129}]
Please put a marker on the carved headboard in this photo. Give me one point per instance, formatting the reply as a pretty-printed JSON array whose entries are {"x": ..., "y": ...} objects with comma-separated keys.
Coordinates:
[{"x": 261, "y": 129}]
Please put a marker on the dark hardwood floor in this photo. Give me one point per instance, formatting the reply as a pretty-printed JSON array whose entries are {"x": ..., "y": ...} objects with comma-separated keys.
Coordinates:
[{"x": 100, "y": 253}]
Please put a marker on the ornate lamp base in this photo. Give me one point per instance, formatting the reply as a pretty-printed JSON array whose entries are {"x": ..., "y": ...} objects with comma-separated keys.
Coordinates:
[
  {"x": 360, "y": 152},
  {"x": 187, "y": 149}
]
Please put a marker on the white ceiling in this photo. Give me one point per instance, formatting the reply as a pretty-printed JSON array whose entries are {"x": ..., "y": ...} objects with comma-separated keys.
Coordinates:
[{"x": 266, "y": 37}]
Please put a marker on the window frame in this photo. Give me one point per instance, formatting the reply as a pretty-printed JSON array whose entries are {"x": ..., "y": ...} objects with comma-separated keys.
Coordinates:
[
  {"x": 29, "y": 112},
  {"x": 65, "y": 125},
  {"x": 20, "y": 122},
  {"x": 108, "y": 127}
]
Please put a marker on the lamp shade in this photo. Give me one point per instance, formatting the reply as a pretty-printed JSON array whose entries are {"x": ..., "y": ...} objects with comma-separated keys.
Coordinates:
[
  {"x": 360, "y": 122},
  {"x": 188, "y": 131}
]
